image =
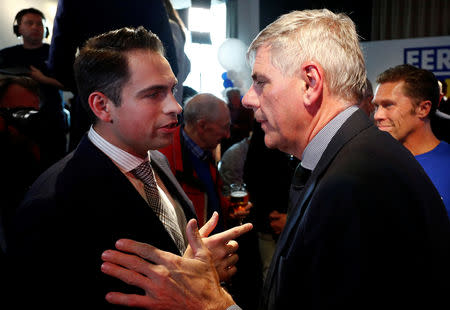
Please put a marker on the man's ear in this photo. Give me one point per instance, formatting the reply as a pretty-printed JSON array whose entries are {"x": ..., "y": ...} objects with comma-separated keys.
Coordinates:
[
  {"x": 100, "y": 105},
  {"x": 423, "y": 109},
  {"x": 312, "y": 75},
  {"x": 201, "y": 125}
]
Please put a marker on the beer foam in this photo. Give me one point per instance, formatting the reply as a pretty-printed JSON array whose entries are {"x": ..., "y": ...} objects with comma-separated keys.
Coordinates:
[{"x": 239, "y": 194}]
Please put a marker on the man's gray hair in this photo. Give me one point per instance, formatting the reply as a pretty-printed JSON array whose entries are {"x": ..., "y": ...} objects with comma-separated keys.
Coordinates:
[{"x": 317, "y": 35}]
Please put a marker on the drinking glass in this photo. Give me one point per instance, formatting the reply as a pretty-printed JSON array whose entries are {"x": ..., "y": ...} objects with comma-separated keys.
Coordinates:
[{"x": 238, "y": 198}]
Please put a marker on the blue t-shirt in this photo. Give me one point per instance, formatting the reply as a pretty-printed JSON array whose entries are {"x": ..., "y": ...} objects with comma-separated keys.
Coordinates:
[{"x": 436, "y": 164}]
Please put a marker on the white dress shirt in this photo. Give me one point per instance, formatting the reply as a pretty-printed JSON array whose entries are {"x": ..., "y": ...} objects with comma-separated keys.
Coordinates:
[{"x": 126, "y": 162}]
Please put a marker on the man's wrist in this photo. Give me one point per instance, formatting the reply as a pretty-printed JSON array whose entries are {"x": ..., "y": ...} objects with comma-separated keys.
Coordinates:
[{"x": 227, "y": 301}]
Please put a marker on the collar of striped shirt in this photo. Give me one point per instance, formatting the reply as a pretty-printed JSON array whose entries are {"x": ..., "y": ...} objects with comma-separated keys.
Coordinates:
[
  {"x": 315, "y": 148},
  {"x": 124, "y": 160}
]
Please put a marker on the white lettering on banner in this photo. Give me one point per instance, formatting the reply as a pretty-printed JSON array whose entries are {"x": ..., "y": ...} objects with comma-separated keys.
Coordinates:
[
  {"x": 443, "y": 59},
  {"x": 436, "y": 59}
]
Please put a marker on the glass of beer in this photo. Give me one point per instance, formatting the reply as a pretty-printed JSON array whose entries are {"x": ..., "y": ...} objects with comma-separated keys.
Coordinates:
[{"x": 238, "y": 198}]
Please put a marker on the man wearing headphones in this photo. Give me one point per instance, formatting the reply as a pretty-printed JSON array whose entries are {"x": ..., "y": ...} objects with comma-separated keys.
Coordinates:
[{"x": 29, "y": 59}]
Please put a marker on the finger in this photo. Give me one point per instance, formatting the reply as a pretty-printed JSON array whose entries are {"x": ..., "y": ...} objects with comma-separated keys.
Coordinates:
[
  {"x": 226, "y": 274},
  {"x": 195, "y": 240},
  {"x": 126, "y": 275},
  {"x": 232, "y": 246},
  {"x": 232, "y": 233},
  {"x": 210, "y": 225},
  {"x": 145, "y": 251},
  {"x": 129, "y": 300},
  {"x": 220, "y": 251},
  {"x": 131, "y": 262},
  {"x": 249, "y": 206},
  {"x": 227, "y": 262},
  {"x": 230, "y": 261}
]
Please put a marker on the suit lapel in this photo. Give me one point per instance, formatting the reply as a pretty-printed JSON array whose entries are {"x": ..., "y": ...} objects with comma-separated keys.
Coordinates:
[
  {"x": 121, "y": 189},
  {"x": 356, "y": 123}
]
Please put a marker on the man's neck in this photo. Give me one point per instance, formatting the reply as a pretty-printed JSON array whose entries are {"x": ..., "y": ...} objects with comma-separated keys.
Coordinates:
[
  {"x": 421, "y": 141},
  {"x": 327, "y": 112},
  {"x": 32, "y": 45}
]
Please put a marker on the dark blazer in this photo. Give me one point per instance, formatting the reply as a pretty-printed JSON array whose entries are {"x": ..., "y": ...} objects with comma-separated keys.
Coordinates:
[
  {"x": 77, "y": 21},
  {"x": 368, "y": 231},
  {"x": 74, "y": 211}
]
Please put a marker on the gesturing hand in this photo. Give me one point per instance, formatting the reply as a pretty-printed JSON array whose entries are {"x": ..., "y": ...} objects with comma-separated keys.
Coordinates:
[
  {"x": 169, "y": 281},
  {"x": 222, "y": 246}
]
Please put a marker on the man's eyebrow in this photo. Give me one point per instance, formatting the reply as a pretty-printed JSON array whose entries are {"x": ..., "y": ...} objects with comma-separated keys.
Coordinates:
[
  {"x": 144, "y": 91},
  {"x": 383, "y": 101},
  {"x": 257, "y": 75}
]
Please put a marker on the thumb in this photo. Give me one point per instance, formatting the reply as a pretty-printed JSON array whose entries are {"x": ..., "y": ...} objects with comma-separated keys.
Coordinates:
[{"x": 194, "y": 239}]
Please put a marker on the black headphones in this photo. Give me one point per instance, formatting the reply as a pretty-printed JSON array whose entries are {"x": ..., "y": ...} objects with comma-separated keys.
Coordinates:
[{"x": 18, "y": 20}]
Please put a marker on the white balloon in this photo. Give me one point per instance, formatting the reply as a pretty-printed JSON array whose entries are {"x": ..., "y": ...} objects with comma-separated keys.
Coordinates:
[
  {"x": 241, "y": 79},
  {"x": 231, "y": 55},
  {"x": 232, "y": 74}
]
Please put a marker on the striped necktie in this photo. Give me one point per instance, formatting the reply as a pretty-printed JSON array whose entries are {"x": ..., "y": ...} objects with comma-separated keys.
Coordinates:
[{"x": 144, "y": 172}]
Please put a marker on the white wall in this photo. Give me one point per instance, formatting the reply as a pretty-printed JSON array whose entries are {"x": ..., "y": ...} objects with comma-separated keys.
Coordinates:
[{"x": 9, "y": 9}]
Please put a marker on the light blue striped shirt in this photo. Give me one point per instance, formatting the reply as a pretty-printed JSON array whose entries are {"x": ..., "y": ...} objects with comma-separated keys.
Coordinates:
[{"x": 315, "y": 148}]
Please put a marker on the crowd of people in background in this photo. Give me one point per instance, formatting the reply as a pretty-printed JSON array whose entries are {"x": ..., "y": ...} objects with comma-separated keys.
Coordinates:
[{"x": 73, "y": 168}]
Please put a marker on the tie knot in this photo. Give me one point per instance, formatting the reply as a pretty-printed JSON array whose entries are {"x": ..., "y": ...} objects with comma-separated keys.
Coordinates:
[{"x": 144, "y": 172}]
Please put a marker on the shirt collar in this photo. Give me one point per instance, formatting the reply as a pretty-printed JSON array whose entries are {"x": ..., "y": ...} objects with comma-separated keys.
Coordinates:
[
  {"x": 194, "y": 148},
  {"x": 316, "y": 147},
  {"x": 124, "y": 160}
]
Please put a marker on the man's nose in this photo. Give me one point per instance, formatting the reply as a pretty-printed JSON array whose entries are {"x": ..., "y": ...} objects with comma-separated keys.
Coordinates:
[
  {"x": 379, "y": 114},
  {"x": 249, "y": 100},
  {"x": 172, "y": 105}
]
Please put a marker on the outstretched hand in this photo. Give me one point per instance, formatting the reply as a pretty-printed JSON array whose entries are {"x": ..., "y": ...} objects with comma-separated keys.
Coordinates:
[
  {"x": 222, "y": 246},
  {"x": 170, "y": 281}
]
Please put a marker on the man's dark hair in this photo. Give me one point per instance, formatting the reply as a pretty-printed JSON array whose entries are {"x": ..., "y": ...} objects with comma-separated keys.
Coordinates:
[
  {"x": 25, "y": 82},
  {"x": 22, "y": 13},
  {"x": 420, "y": 84},
  {"x": 102, "y": 64}
]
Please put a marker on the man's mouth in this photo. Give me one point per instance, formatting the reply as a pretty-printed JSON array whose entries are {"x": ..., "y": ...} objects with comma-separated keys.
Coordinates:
[
  {"x": 383, "y": 127},
  {"x": 171, "y": 125}
]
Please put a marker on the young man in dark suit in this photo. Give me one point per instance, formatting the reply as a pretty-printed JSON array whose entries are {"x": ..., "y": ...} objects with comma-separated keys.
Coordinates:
[
  {"x": 77, "y": 21},
  {"x": 366, "y": 230},
  {"x": 95, "y": 195}
]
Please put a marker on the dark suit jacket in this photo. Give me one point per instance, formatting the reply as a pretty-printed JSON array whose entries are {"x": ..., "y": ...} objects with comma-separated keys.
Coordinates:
[
  {"x": 77, "y": 21},
  {"x": 74, "y": 211},
  {"x": 369, "y": 230}
]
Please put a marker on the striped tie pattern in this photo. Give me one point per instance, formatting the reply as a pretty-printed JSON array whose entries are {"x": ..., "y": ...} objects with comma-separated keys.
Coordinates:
[{"x": 144, "y": 172}]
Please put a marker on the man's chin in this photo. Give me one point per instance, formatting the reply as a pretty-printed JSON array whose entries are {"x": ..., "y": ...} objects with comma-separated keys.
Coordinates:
[
  {"x": 270, "y": 142},
  {"x": 163, "y": 142}
]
